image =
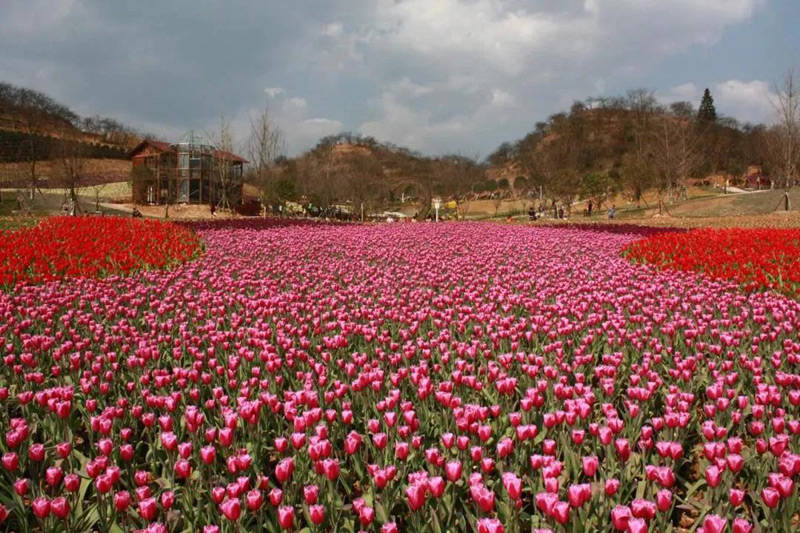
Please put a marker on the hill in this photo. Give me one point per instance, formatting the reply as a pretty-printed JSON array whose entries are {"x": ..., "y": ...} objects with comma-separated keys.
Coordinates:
[
  {"x": 630, "y": 145},
  {"x": 360, "y": 170}
]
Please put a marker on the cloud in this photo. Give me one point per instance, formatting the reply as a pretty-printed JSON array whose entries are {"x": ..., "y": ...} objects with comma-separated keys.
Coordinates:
[
  {"x": 746, "y": 101},
  {"x": 439, "y": 75}
]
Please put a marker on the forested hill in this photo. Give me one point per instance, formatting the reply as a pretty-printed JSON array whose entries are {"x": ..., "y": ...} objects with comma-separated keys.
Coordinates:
[
  {"x": 33, "y": 126},
  {"x": 630, "y": 144}
]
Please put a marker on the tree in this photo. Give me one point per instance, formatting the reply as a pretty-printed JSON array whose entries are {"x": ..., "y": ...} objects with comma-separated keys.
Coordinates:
[
  {"x": 70, "y": 157},
  {"x": 707, "y": 112},
  {"x": 264, "y": 146},
  {"x": 223, "y": 170},
  {"x": 787, "y": 108},
  {"x": 675, "y": 152}
]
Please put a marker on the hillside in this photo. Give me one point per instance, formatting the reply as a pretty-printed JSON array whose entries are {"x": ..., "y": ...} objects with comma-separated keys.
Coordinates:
[
  {"x": 356, "y": 170},
  {"x": 35, "y": 130},
  {"x": 630, "y": 145}
]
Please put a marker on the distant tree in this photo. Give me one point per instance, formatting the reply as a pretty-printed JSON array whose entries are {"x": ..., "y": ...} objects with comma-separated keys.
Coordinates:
[
  {"x": 264, "y": 149},
  {"x": 787, "y": 107},
  {"x": 707, "y": 112},
  {"x": 70, "y": 157},
  {"x": 223, "y": 170},
  {"x": 682, "y": 109}
]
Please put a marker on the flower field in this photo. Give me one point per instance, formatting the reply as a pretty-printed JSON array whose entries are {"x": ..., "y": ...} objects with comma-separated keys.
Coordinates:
[
  {"x": 406, "y": 377},
  {"x": 756, "y": 258},
  {"x": 60, "y": 247}
]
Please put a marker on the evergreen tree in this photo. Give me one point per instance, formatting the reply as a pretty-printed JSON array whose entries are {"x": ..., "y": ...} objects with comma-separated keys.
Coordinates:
[{"x": 707, "y": 112}]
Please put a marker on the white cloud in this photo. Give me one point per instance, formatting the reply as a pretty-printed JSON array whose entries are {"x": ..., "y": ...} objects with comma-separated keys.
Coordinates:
[
  {"x": 273, "y": 92},
  {"x": 462, "y": 64},
  {"x": 746, "y": 101}
]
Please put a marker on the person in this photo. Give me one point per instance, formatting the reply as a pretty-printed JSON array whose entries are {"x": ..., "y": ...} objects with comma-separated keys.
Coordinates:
[
  {"x": 532, "y": 213},
  {"x": 589, "y": 208},
  {"x": 213, "y": 209},
  {"x": 612, "y": 212},
  {"x": 136, "y": 213}
]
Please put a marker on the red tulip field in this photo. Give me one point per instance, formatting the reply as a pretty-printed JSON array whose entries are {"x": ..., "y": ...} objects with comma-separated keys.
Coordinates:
[
  {"x": 438, "y": 378},
  {"x": 757, "y": 258}
]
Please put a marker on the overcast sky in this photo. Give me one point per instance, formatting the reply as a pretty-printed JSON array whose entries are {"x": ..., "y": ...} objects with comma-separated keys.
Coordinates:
[{"x": 436, "y": 76}]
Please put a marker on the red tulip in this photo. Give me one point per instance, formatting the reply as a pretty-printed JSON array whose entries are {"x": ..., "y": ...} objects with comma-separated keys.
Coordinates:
[
  {"x": 41, "y": 507},
  {"x": 284, "y": 469},
  {"x": 714, "y": 524},
  {"x": 72, "y": 482},
  {"x": 254, "y": 499},
  {"x": 740, "y": 525},
  {"x": 611, "y": 486},
  {"x": 490, "y": 525},
  {"x": 453, "y": 470},
  {"x": 148, "y": 508},
  {"x": 21, "y": 486},
  {"x": 122, "y": 500},
  {"x": 286, "y": 517},
  {"x": 664, "y": 500},
  {"x": 590, "y": 465},
  {"x": 317, "y": 513},
  {"x": 415, "y": 494},
  {"x": 771, "y": 497},
  {"x": 620, "y": 517},
  {"x": 231, "y": 508}
]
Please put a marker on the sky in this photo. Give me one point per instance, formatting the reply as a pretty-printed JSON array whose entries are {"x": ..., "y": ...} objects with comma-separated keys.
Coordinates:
[{"x": 436, "y": 76}]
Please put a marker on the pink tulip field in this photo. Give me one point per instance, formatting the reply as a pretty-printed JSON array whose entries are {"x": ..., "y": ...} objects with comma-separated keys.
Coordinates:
[{"x": 438, "y": 378}]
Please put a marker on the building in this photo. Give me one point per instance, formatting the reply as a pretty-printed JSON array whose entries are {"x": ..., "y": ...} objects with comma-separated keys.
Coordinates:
[{"x": 188, "y": 172}]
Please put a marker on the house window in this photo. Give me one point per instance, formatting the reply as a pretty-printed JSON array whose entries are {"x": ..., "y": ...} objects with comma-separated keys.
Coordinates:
[{"x": 183, "y": 160}]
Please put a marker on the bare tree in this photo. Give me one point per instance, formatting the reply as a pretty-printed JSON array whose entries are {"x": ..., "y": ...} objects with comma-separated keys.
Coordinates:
[
  {"x": 71, "y": 157},
  {"x": 787, "y": 107},
  {"x": 264, "y": 146},
  {"x": 223, "y": 171},
  {"x": 675, "y": 152}
]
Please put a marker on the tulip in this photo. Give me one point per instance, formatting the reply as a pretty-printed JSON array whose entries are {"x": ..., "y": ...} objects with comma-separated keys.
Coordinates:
[
  {"x": 310, "y": 494},
  {"x": 167, "y": 499},
  {"x": 512, "y": 484},
  {"x": 490, "y": 525},
  {"x": 664, "y": 500},
  {"x": 148, "y": 508},
  {"x": 286, "y": 517},
  {"x": 275, "y": 497},
  {"x": 561, "y": 512},
  {"x": 453, "y": 470},
  {"x": 41, "y": 507},
  {"x": 611, "y": 486},
  {"x": 317, "y": 514},
  {"x": 254, "y": 499},
  {"x": 714, "y": 524},
  {"x": 389, "y": 527},
  {"x": 232, "y": 509},
  {"x": 21, "y": 486},
  {"x": 713, "y": 476},
  {"x": 740, "y": 525},
  {"x": 122, "y": 500},
  {"x": 736, "y": 497},
  {"x": 284, "y": 469},
  {"x": 590, "y": 465},
  {"x": 771, "y": 497},
  {"x": 620, "y": 517}
]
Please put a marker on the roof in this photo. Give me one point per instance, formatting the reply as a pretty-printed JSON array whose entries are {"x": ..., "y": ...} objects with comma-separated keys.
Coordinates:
[
  {"x": 222, "y": 154},
  {"x": 167, "y": 147},
  {"x": 158, "y": 145}
]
